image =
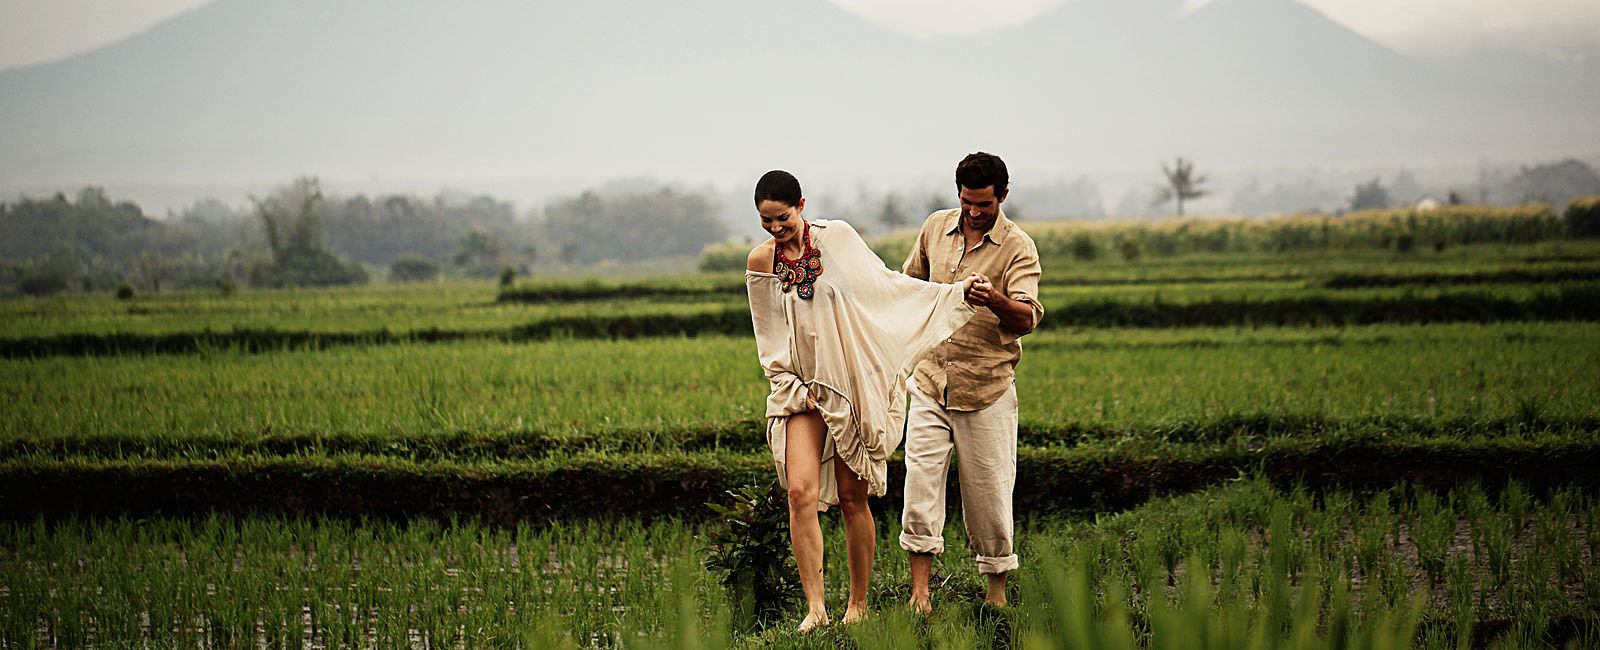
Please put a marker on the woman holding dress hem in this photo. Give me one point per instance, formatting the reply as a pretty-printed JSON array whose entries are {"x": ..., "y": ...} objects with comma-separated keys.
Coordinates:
[{"x": 837, "y": 332}]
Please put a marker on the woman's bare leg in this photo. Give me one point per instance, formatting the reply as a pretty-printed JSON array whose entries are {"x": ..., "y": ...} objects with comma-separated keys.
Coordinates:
[
  {"x": 860, "y": 537},
  {"x": 803, "y": 462}
]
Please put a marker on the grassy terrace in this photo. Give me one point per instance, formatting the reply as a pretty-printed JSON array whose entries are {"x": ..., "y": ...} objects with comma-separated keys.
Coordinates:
[
  {"x": 1464, "y": 565},
  {"x": 1119, "y": 380},
  {"x": 1356, "y": 449},
  {"x": 1514, "y": 272}
]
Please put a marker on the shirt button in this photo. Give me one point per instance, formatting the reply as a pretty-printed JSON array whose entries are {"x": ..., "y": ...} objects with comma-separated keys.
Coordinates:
[
  {"x": 949, "y": 363},
  {"x": 952, "y": 269}
]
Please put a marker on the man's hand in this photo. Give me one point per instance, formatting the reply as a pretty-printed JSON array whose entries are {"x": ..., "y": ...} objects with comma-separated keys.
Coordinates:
[
  {"x": 1013, "y": 314},
  {"x": 980, "y": 291}
]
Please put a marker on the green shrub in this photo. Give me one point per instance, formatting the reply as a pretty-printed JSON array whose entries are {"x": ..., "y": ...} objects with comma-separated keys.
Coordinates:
[
  {"x": 1405, "y": 243},
  {"x": 1129, "y": 250},
  {"x": 1583, "y": 217},
  {"x": 412, "y": 268},
  {"x": 747, "y": 549},
  {"x": 125, "y": 292},
  {"x": 725, "y": 257},
  {"x": 1083, "y": 248}
]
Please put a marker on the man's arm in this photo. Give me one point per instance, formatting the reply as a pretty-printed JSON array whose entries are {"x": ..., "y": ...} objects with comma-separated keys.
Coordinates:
[{"x": 1014, "y": 315}]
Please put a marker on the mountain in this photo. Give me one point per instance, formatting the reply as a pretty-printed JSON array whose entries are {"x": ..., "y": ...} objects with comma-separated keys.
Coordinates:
[{"x": 257, "y": 91}]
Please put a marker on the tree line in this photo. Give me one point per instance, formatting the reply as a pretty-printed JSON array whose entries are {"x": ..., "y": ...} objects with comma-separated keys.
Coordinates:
[{"x": 300, "y": 236}]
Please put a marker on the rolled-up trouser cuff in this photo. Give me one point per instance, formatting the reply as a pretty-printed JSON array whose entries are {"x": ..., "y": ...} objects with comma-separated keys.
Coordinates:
[
  {"x": 920, "y": 543},
  {"x": 994, "y": 565}
]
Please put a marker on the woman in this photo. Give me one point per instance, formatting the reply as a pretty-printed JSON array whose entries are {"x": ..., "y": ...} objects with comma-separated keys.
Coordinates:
[{"x": 837, "y": 333}]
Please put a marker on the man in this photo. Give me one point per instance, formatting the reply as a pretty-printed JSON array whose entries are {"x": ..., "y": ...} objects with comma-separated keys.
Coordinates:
[{"x": 962, "y": 394}]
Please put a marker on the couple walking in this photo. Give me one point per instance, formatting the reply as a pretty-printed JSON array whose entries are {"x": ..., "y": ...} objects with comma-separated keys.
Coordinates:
[{"x": 843, "y": 340}]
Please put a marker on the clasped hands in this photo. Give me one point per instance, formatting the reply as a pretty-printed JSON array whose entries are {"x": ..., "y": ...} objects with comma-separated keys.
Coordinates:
[{"x": 979, "y": 291}]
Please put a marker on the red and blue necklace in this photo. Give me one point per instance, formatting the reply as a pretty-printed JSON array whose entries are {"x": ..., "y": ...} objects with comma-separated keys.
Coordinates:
[{"x": 799, "y": 273}]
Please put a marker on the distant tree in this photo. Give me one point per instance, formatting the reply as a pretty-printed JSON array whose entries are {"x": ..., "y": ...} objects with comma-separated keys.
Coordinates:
[
  {"x": 53, "y": 274},
  {"x": 891, "y": 215},
  {"x": 480, "y": 255},
  {"x": 665, "y": 222},
  {"x": 1370, "y": 196},
  {"x": 1405, "y": 189},
  {"x": 411, "y": 267},
  {"x": 1182, "y": 183},
  {"x": 295, "y": 240},
  {"x": 1555, "y": 183}
]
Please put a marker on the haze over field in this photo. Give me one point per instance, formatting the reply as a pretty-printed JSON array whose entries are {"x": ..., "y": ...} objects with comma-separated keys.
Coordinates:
[{"x": 527, "y": 99}]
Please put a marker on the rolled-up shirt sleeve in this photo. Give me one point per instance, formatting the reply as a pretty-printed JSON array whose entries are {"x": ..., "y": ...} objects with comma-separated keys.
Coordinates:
[{"x": 1022, "y": 285}]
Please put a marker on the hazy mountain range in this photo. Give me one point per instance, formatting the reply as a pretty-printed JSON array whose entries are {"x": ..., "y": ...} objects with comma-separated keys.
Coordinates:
[{"x": 558, "y": 92}]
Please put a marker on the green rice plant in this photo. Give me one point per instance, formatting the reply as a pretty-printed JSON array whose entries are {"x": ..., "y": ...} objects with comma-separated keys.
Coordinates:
[
  {"x": 1432, "y": 531},
  {"x": 1460, "y": 578},
  {"x": 1518, "y": 505}
]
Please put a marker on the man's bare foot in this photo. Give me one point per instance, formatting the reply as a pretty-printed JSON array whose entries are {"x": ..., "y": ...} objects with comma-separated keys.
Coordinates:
[
  {"x": 854, "y": 614},
  {"x": 996, "y": 593},
  {"x": 813, "y": 621},
  {"x": 921, "y": 604}
]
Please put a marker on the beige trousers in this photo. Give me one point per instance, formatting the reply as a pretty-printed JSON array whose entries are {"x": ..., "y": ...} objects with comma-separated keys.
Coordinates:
[{"x": 986, "y": 443}]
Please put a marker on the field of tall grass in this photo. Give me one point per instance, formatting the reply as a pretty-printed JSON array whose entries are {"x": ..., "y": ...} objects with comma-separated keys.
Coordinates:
[{"x": 1300, "y": 437}]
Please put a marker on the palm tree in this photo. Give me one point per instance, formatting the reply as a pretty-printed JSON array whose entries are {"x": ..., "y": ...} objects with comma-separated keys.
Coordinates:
[{"x": 1182, "y": 183}]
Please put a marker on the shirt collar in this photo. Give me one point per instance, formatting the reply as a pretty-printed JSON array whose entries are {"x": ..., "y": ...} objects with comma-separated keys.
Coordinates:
[{"x": 997, "y": 233}]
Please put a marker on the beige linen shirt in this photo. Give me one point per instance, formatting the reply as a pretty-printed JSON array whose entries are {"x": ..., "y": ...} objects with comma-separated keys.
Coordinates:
[
  {"x": 846, "y": 352},
  {"x": 974, "y": 367}
]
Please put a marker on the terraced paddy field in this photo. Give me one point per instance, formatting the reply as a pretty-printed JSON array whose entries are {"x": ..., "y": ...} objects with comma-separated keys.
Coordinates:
[{"x": 1348, "y": 445}]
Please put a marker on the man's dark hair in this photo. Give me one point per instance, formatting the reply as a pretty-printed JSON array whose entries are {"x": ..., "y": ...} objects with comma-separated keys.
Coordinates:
[
  {"x": 778, "y": 185},
  {"x": 980, "y": 170}
]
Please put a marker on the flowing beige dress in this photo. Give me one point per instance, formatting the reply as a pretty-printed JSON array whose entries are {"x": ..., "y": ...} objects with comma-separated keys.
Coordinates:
[{"x": 849, "y": 348}]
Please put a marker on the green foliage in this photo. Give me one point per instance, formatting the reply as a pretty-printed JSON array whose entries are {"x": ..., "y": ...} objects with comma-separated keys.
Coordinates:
[
  {"x": 1405, "y": 243},
  {"x": 1370, "y": 195},
  {"x": 413, "y": 268},
  {"x": 1182, "y": 183},
  {"x": 125, "y": 292},
  {"x": 1083, "y": 248},
  {"x": 54, "y": 274},
  {"x": 747, "y": 550},
  {"x": 662, "y": 223},
  {"x": 718, "y": 258},
  {"x": 1583, "y": 217},
  {"x": 298, "y": 258},
  {"x": 508, "y": 277}
]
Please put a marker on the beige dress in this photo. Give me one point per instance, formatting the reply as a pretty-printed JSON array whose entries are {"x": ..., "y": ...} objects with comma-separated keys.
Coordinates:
[{"x": 849, "y": 348}]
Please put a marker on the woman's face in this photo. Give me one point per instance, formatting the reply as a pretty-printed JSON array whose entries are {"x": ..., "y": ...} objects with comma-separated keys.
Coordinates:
[{"x": 781, "y": 220}]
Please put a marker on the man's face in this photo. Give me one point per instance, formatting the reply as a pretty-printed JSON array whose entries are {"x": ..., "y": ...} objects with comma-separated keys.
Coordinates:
[{"x": 979, "y": 208}]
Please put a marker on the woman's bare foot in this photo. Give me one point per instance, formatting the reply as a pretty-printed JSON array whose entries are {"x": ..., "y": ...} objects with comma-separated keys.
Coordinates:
[
  {"x": 854, "y": 614},
  {"x": 921, "y": 604},
  {"x": 814, "y": 620}
]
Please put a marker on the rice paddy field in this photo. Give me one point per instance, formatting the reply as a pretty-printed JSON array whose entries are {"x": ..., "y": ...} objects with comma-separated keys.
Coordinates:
[{"x": 1308, "y": 449}]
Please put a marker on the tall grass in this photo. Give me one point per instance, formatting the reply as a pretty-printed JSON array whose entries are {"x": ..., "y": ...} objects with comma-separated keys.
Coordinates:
[
  {"x": 1279, "y": 573},
  {"x": 1118, "y": 379}
]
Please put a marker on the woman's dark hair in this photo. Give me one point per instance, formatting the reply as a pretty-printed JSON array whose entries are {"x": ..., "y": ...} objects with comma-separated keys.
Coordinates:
[
  {"x": 980, "y": 170},
  {"x": 778, "y": 185}
]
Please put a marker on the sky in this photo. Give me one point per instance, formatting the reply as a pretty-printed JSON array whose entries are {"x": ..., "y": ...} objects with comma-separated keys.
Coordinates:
[{"x": 35, "y": 31}]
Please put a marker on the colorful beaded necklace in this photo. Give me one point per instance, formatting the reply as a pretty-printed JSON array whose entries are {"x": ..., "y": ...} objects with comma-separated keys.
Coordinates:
[{"x": 802, "y": 272}]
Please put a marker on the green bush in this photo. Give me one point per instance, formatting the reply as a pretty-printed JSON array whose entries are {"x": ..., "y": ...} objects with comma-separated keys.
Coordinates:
[
  {"x": 1583, "y": 217},
  {"x": 125, "y": 292},
  {"x": 725, "y": 257},
  {"x": 412, "y": 268},
  {"x": 747, "y": 549},
  {"x": 1083, "y": 247}
]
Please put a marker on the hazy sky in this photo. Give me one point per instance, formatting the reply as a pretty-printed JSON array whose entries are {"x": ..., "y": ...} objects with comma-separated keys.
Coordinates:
[{"x": 33, "y": 31}]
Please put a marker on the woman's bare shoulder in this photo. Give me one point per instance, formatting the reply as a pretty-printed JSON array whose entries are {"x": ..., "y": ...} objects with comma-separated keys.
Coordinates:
[{"x": 761, "y": 257}]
